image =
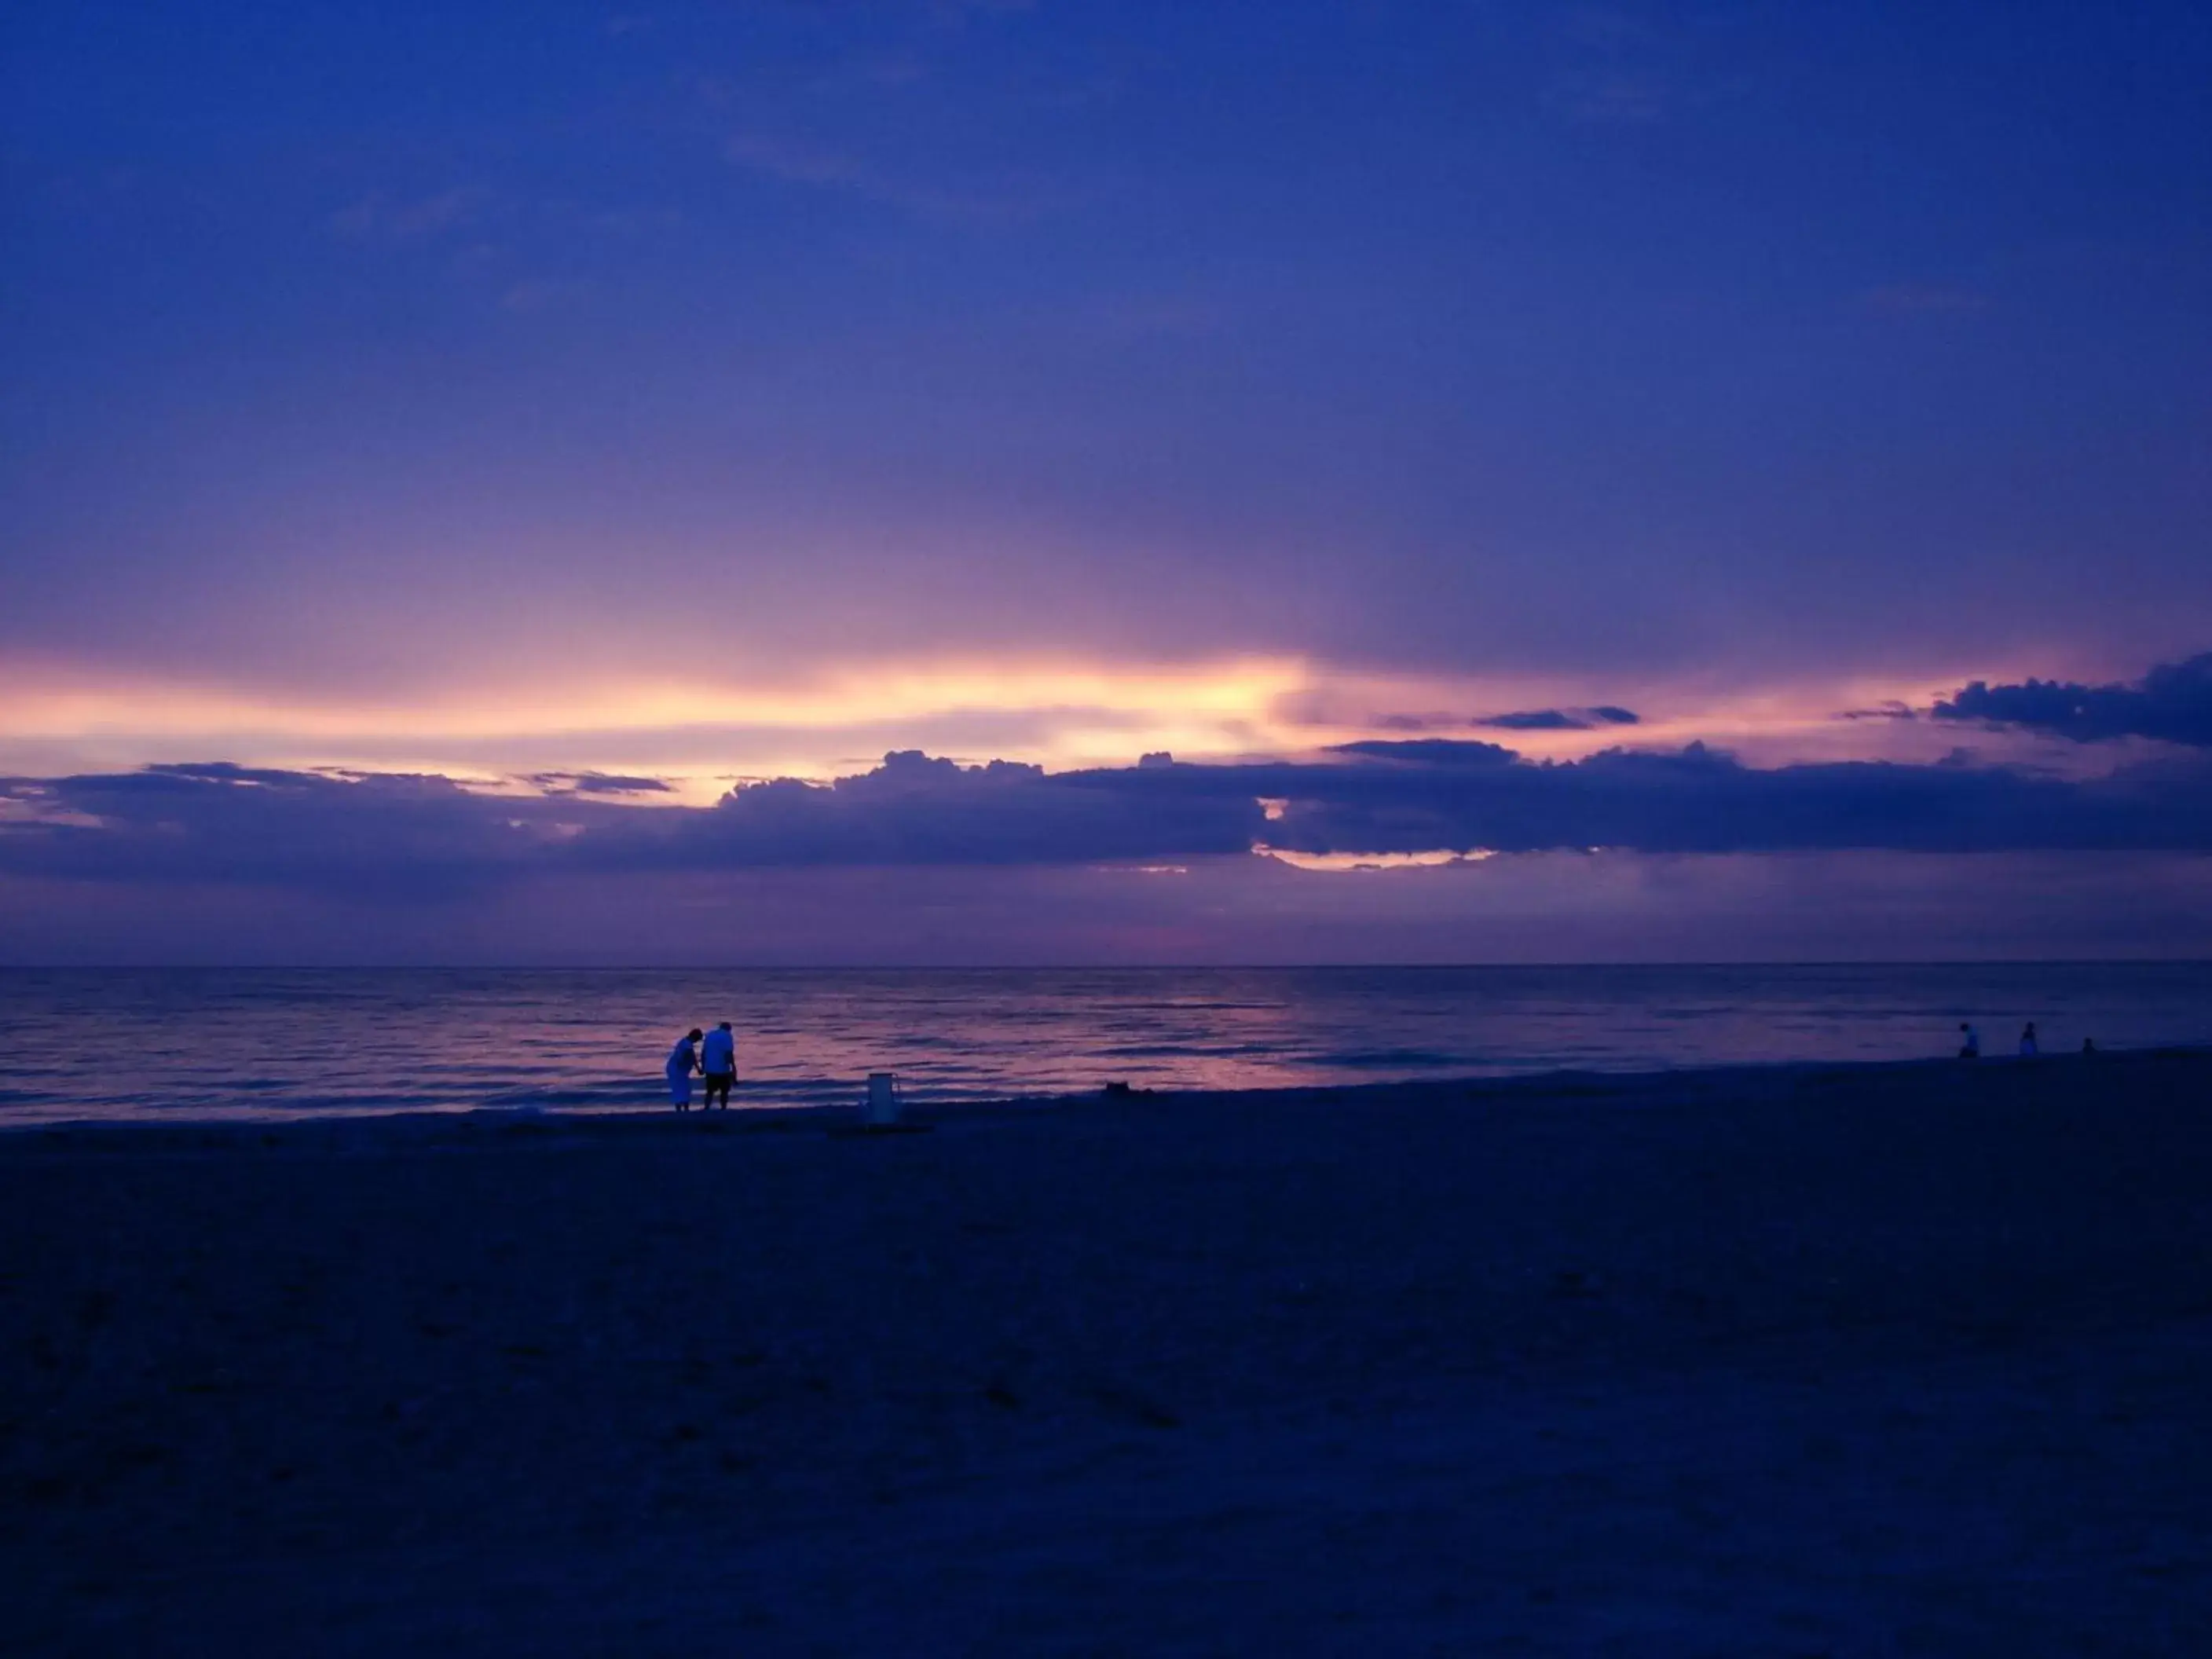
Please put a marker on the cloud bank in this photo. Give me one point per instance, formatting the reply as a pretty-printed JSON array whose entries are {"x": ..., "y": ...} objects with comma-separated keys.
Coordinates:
[
  {"x": 2171, "y": 703},
  {"x": 402, "y": 835}
]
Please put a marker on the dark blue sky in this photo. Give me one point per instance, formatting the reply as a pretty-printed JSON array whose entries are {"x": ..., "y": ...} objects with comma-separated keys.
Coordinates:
[{"x": 709, "y": 393}]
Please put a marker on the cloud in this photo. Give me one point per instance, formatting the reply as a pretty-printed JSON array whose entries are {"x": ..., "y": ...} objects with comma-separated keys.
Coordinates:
[
  {"x": 1701, "y": 800},
  {"x": 426, "y": 837},
  {"x": 1891, "y": 710},
  {"x": 1427, "y": 751},
  {"x": 914, "y": 808},
  {"x": 1533, "y": 719},
  {"x": 385, "y": 834},
  {"x": 1525, "y": 720},
  {"x": 1559, "y": 719},
  {"x": 595, "y": 783},
  {"x": 2171, "y": 703}
]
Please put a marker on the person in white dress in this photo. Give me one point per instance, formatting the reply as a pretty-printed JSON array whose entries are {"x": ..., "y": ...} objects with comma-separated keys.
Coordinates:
[{"x": 683, "y": 1061}]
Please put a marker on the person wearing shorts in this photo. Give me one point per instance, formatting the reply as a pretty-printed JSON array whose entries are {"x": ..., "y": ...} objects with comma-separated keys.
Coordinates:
[{"x": 718, "y": 1064}]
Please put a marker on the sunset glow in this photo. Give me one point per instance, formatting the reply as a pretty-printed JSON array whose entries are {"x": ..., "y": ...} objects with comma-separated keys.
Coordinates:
[
  {"x": 463, "y": 450},
  {"x": 702, "y": 737}
]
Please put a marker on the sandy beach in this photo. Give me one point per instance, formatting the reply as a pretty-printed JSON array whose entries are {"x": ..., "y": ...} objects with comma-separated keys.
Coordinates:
[{"x": 1806, "y": 1361}]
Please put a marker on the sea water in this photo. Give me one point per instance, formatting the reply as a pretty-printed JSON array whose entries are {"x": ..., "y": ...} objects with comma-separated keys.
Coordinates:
[{"x": 131, "y": 1043}]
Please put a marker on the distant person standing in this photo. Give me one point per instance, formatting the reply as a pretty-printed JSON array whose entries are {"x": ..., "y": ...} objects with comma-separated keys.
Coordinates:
[
  {"x": 1970, "y": 1042},
  {"x": 718, "y": 1064},
  {"x": 2027, "y": 1048},
  {"x": 683, "y": 1061}
]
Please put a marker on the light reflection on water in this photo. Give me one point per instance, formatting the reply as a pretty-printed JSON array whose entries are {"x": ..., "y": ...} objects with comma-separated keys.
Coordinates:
[{"x": 118, "y": 1042}]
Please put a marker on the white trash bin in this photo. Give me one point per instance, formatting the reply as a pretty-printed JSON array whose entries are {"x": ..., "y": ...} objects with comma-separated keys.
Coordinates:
[{"x": 881, "y": 1107}]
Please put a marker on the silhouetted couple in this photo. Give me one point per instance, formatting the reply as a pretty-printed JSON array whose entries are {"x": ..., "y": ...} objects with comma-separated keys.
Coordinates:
[{"x": 714, "y": 1057}]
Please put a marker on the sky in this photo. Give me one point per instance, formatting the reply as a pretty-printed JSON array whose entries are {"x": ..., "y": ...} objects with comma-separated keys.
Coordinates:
[{"x": 967, "y": 481}]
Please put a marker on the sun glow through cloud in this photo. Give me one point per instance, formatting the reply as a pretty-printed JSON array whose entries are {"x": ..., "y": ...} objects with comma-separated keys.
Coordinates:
[
  {"x": 706, "y": 735},
  {"x": 702, "y": 737},
  {"x": 1337, "y": 862}
]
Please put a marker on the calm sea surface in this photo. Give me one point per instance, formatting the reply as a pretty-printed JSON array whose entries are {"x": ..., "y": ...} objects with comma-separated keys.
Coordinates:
[{"x": 227, "y": 1043}]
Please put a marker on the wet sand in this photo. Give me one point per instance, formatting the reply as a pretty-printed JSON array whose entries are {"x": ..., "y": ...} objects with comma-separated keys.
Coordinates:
[{"x": 1850, "y": 1360}]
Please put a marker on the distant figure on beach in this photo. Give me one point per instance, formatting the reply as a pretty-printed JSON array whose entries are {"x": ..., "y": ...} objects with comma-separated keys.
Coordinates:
[
  {"x": 683, "y": 1061},
  {"x": 2027, "y": 1048},
  {"x": 2088, "y": 1045},
  {"x": 718, "y": 1064},
  {"x": 1970, "y": 1042}
]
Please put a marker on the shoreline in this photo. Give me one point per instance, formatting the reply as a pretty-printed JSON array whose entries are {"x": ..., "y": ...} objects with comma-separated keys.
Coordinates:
[{"x": 1564, "y": 1083}]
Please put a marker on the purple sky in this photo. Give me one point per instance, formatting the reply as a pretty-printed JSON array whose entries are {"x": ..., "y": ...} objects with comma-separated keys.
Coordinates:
[{"x": 456, "y": 448}]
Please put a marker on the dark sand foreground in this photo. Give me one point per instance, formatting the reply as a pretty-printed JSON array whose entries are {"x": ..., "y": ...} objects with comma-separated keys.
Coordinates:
[{"x": 1884, "y": 1361}]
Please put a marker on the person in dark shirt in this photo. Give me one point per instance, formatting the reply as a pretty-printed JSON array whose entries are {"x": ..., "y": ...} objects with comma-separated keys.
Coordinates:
[{"x": 718, "y": 1064}]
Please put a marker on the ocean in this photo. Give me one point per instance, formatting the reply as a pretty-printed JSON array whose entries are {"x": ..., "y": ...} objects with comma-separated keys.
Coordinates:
[{"x": 137, "y": 1042}]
